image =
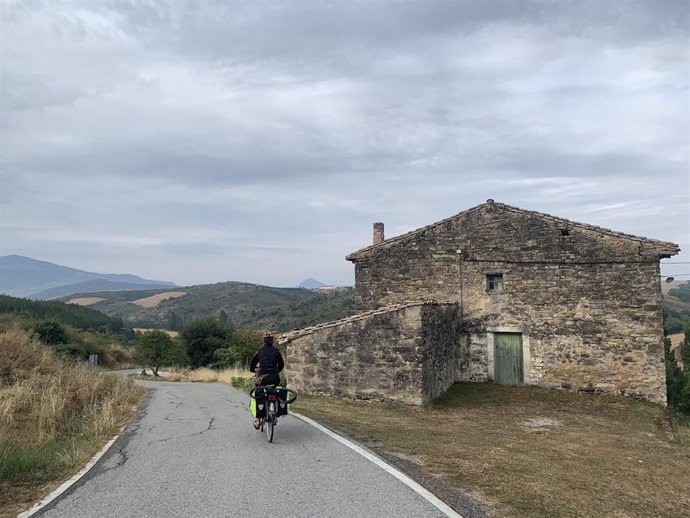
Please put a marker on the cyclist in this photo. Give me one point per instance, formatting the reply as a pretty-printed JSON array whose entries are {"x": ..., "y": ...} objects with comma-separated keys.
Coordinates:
[{"x": 270, "y": 363}]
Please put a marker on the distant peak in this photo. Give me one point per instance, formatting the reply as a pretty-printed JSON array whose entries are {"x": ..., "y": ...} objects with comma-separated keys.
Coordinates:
[{"x": 310, "y": 284}]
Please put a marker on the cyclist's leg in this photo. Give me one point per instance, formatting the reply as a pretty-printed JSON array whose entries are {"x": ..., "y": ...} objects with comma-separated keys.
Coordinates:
[{"x": 258, "y": 421}]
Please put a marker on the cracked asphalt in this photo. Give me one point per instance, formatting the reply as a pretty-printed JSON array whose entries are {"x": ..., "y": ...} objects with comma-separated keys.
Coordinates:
[{"x": 192, "y": 452}]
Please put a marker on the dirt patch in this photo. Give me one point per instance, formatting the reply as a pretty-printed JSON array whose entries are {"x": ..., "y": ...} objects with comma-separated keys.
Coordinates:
[
  {"x": 676, "y": 340},
  {"x": 539, "y": 424},
  {"x": 85, "y": 301},
  {"x": 154, "y": 300}
]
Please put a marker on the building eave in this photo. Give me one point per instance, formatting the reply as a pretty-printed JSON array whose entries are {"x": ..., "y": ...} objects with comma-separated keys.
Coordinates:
[{"x": 652, "y": 247}]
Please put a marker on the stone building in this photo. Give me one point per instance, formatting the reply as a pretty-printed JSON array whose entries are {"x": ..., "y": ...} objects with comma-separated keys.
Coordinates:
[{"x": 495, "y": 293}]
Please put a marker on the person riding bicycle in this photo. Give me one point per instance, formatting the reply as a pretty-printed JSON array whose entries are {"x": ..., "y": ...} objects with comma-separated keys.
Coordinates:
[{"x": 270, "y": 363}]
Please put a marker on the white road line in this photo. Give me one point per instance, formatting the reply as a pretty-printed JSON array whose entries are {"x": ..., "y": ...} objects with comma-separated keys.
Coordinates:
[
  {"x": 69, "y": 483},
  {"x": 428, "y": 495}
]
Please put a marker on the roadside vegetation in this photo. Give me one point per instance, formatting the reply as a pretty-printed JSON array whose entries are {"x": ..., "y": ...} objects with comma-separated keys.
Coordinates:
[
  {"x": 55, "y": 413},
  {"x": 114, "y": 350},
  {"x": 678, "y": 380},
  {"x": 531, "y": 451},
  {"x": 235, "y": 376},
  {"x": 201, "y": 343}
]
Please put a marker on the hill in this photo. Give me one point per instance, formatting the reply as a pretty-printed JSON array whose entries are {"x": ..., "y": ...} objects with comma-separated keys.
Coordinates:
[
  {"x": 93, "y": 285},
  {"x": 242, "y": 304},
  {"x": 676, "y": 306},
  {"x": 23, "y": 276},
  {"x": 70, "y": 314},
  {"x": 310, "y": 284}
]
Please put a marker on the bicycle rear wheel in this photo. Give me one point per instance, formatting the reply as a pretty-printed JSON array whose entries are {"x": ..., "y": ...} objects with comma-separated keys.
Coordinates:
[{"x": 270, "y": 420}]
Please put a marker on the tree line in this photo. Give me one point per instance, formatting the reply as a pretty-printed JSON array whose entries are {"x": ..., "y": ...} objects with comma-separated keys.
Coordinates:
[
  {"x": 677, "y": 378},
  {"x": 73, "y": 315},
  {"x": 203, "y": 342}
]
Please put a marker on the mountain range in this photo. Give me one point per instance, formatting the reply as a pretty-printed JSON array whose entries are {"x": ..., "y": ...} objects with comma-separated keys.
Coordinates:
[{"x": 26, "y": 277}]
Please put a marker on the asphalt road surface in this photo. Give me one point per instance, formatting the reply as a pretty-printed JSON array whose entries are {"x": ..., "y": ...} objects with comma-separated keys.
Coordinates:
[{"x": 193, "y": 452}]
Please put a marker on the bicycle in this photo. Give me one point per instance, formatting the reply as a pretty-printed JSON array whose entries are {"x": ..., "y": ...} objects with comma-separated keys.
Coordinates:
[{"x": 274, "y": 397}]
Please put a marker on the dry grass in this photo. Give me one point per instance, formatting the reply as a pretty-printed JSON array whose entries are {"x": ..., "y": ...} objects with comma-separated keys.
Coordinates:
[
  {"x": 676, "y": 339},
  {"x": 53, "y": 416},
  {"x": 532, "y": 451},
  {"x": 171, "y": 334},
  {"x": 234, "y": 376},
  {"x": 154, "y": 300},
  {"x": 85, "y": 301}
]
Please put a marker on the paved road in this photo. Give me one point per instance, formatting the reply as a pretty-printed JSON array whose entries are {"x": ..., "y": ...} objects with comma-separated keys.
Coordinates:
[{"x": 192, "y": 452}]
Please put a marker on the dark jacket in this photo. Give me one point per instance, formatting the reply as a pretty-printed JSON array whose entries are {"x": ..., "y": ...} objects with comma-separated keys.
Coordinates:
[{"x": 269, "y": 359}]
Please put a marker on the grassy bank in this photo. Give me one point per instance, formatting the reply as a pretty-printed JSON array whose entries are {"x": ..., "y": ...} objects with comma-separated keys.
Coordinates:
[
  {"x": 54, "y": 416},
  {"x": 236, "y": 377},
  {"x": 112, "y": 350},
  {"x": 531, "y": 451}
]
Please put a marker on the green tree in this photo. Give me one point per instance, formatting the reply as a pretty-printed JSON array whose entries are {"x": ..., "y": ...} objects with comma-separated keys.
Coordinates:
[
  {"x": 154, "y": 349},
  {"x": 674, "y": 376},
  {"x": 175, "y": 321},
  {"x": 225, "y": 321},
  {"x": 677, "y": 379},
  {"x": 202, "y": 337},
  {"x": 51, "y": 332},
  {"x": 242, "y": 345},
  {"x": 682, "y": 292},
  {"x": 683, "y": 404}
]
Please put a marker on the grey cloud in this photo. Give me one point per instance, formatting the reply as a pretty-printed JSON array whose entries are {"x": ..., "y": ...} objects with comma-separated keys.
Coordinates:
[
  {"x": 244, "y": 124},
  {"x": 197, "y": 249}
]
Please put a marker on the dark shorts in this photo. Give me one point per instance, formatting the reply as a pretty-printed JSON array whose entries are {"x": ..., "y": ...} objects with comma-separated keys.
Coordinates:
[{"x": 267, "y": 379}]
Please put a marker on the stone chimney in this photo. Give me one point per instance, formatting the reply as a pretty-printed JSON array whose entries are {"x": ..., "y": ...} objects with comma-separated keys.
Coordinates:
[{"x": 378, "y": 233}]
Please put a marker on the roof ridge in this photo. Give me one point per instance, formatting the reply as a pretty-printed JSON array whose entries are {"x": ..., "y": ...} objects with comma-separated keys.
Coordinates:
[
  {"x": 588, "y": 226},
  {"x": 417, "y": 230},
  {"x": 543, "y": 215}
]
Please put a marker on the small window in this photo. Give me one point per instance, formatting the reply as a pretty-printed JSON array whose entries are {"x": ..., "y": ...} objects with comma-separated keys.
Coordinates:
[{"x": 494, "y": 282}]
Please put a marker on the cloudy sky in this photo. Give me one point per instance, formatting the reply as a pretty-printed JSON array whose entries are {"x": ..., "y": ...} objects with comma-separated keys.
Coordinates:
[{"x": 205, "y": 141}]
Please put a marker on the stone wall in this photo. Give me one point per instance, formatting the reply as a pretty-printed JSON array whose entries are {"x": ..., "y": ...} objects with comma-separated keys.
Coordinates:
[
  {"x": 401, "y": 353},
  {"x": 440, "y": 340},
  {"x": 587, "y": 301}
]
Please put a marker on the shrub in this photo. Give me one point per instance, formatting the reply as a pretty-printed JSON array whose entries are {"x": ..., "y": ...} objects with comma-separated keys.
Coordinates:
[
  {"x": 202, "y": 337},
  {"x": 51, "y": 332},
  {"x": 242, "y": 345}
]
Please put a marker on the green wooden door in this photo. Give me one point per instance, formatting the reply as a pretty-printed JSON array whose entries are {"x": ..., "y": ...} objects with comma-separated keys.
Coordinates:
[{"x": 508, "y": 358}]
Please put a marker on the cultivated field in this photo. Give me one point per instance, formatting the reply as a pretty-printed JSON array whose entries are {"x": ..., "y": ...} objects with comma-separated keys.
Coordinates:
[
  {"x": 171, "y": 334},
  {"x": 667, "y": 286},
  {"x": 676, "y": 339},
  {"x": 154, "y": 300}
]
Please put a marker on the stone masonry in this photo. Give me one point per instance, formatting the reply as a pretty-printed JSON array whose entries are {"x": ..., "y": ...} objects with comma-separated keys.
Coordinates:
[
  {"x": 401, "y": 352},
  {"x": 586, "y": 300}
]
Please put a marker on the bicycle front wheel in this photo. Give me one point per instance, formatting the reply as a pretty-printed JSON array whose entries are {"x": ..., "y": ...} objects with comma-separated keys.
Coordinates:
[{"x": 270, "y": 420}]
